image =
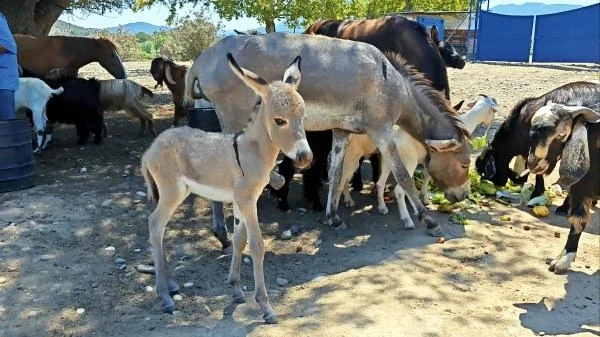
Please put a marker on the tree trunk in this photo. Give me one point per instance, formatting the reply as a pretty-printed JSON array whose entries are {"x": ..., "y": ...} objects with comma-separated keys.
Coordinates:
[
  {"x": 269, "y": 25},
  {"x": 33, "y": 17}
]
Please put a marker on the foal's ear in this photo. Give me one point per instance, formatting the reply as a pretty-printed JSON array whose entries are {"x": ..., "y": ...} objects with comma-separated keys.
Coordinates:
[
  {"x": 292, "y": 73},
  {"x": 255, "y": 82},
  {"x": 434, "y": 34}
]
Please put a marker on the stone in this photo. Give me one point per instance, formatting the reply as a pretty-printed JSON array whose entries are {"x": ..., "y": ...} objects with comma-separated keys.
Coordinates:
[
  {"x": 137, "y": 250},
  {"x": 25, "y": 249},
  {"x": 2, "y": 279},
  {"x": 80, "y": 310},
  {"x": 294, "y": 229},
  {"x": 286, "y": 235},
  {"x": 188, "y": 284},
  {"x": 244, "y": 288},
  {"x": 123, "y": 267},
  {"x": 83, "y": 170},
  {"x": 177, "y": 297},
  {"x": 140, "y": 194},
  {"x": 95, "y": 285},
  {"x": 144, "y": 268},
  {"x": 246, "y": 260},
  {"x": 281, "y": 281},
  {"x": 318, "y": 242},
  {"x": 45, "y": 257},
  {"x": 109, "y": 249},
  {"x": 149, "y": 289},
  {"x": 119, "y": 260}
]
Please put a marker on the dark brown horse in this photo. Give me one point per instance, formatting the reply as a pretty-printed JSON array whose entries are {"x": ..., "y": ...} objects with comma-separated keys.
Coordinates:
[
  {"x": 400, "y": 35},
  {"x": 62, "y": 56}
]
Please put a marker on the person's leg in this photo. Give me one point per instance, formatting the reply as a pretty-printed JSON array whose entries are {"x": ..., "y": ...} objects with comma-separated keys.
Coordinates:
[{"x": 7, "y": 104}]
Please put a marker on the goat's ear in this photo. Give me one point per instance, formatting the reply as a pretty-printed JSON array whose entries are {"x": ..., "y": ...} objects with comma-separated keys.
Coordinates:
[
  {"x": 292, "y": 73},
  {"x": 168, "y": 75},
  {"x": 444, "y": 145},
  {"x": 253, "y": 81},
  {"x": 434, "y": 34},
  {"x": 575, "y": 159},
  {"x": 588, "y": 114},
  {"x": 459, "y": 105}
]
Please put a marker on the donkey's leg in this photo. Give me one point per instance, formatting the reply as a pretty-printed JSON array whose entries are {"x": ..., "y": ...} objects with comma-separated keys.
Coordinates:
[
  {"x": 383, "y": 177},
  {"x": 357, "y": 181},
  {"x": 385, "y": 142},
  {"x": 340, "y": 142},
  {"x": 286, "y": 169},
  {"x": 424, "y": 193},
  {"x": 402, "y": 209},
  {"x": 219, "y": 228},
  {"x": 247, "y": 207},
  {"x": 240, "y": 238},
  {"x": 351, "y": 163},
  {"x": 170, "y": 199}
]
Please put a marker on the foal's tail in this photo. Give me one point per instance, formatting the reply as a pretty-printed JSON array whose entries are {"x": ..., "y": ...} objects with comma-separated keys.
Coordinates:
[
  {"x": 57, "y": 91},
  {"x": 152, "y": 189}
]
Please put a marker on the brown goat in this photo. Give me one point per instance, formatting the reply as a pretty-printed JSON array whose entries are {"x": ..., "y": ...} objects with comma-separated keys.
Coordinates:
[{"x": 174, "y": 75}]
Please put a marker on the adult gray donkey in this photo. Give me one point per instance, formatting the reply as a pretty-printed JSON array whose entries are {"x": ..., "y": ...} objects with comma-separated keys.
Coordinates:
[{"x": 350, "y": 87}]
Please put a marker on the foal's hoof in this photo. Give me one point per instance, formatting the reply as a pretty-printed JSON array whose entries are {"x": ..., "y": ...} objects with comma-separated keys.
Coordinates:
[
  {"x": 270, "y": 319},
  {"x": 432, "y": 227},
  {"x": 238, "y": 296}
]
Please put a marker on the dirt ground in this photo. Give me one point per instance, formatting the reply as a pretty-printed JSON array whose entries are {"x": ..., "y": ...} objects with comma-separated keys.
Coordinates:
[{"x": 489, "y": 279}]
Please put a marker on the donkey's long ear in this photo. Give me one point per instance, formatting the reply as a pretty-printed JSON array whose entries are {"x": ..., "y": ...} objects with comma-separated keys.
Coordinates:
[
  {"x": 459, "y": 105},
  {"x": 434, "y": 34},
  {"x": 575, "y": 159},
  {"x": 444, "y": 145},
  {"x": 588, "y": 114},
  {"x": 292, "y": 73},
  {"x": 255, "y": 82}
]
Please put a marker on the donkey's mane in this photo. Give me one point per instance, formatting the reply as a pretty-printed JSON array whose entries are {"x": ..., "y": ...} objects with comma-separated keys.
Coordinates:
[{"x": 421, "y": 83}]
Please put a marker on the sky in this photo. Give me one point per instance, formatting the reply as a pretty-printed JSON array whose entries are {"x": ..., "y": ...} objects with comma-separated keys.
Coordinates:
[{"x": 158, "y": 14}]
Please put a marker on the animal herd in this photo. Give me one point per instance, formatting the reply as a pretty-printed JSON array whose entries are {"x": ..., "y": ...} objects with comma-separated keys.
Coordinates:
[{"x": 326, "y": 99}]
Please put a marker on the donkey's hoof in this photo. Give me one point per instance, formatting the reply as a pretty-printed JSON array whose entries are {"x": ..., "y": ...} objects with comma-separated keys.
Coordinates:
[
  {"x": 350, "y": 203},
  {"x": 383, "y": 210},
  {"x": 270, "y": 319},
  {"x": 169, "y": 309},
  {"x": 435, "y": 231},
  {"x": 223, "y": 239}
]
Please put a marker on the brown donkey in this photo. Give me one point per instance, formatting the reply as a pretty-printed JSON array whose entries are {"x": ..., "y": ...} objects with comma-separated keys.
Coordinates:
[{"x": 228, "y": 168}]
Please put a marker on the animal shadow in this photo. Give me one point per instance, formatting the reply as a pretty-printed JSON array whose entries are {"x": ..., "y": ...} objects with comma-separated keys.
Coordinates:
[{"x": 579, "y": 308}]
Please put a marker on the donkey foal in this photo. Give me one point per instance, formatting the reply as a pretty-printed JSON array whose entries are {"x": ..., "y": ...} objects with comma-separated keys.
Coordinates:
[{"x": 228, "y": 168}]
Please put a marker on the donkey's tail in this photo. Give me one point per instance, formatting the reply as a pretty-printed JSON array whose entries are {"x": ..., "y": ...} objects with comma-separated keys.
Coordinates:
[
  {"x": 193, "y": 90},
  {"x": 152, "y": 189}
]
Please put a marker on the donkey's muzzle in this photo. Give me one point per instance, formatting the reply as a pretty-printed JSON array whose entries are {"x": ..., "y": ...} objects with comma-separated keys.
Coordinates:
[{"x": 303, "y": 159}]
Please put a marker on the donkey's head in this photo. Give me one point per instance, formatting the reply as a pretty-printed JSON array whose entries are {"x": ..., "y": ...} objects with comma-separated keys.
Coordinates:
[
  {"x": 451, "y": 57},
  {"x": 448, "y": 164},
  {"x": 551, "y": 127},
  {"x": 107, "y": 55},
  {"x": 281, "y": 110}
]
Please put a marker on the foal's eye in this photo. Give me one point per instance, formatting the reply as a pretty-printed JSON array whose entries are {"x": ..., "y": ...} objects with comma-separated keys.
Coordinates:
[
  {"x": 280, "y": 121},
  {"x": 465, "y": 166}
]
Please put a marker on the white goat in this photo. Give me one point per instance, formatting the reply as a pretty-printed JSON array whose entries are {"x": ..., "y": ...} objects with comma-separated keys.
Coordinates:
[
  {"x": 34, "y": 94},
  {"x": 412, "y": 152}
]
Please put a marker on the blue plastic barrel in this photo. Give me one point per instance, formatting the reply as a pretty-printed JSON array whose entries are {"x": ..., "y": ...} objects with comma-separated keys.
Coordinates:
[{"x": 17, "y": 166}]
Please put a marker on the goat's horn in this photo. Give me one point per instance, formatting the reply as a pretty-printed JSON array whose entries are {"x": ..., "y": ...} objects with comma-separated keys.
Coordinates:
[
  {"x": 484, "y": 95},
  {"x": 168, "y": 74},
  {"x": 524, "y": 173}
]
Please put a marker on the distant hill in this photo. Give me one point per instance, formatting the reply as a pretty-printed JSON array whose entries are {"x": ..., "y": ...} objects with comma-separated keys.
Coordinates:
[
  {"x": 139, "y": 27},
  {"x": 65, "y": 28},
  {"x": 532, "y": 8},
  {"x": 280, "y": 27}
]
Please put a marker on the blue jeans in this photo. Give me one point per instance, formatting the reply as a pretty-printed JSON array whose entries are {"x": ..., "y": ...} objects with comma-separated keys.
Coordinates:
[{"x": 7, "y": 104}]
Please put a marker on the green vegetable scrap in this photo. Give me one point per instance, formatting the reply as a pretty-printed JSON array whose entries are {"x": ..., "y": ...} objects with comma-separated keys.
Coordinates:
[{"x": 459, "y": 219}]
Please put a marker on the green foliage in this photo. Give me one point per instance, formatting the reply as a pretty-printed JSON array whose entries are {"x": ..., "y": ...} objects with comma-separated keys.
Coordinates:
[
  {"x": 192, "y": 35},
  {"x": 125, "y": 42},
  {"x": 142, "y": 37}
]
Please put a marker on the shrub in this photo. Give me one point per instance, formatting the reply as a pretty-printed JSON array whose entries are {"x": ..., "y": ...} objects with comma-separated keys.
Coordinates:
[
  {"x": 125, "y": 42},
  {"x": 191, "y": 35}
]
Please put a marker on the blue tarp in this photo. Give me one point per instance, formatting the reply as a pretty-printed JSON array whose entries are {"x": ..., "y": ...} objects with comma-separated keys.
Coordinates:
[
  {"x": 503, "y": 37},
  {"x": 571, "y": 36}
]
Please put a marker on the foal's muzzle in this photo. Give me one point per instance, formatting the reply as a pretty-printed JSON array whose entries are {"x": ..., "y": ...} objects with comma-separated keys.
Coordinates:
[
  {"x": 457, "y": 194},
  {"x": 303, "y": 159}
]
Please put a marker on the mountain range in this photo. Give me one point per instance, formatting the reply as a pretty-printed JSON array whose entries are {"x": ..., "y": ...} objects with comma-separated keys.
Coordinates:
[
  {"x": 532, "y": 8},
  {"x": 528, "y": 8}
]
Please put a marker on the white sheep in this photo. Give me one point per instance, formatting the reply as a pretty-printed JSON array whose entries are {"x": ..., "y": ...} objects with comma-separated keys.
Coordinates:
[
  {"x": 34, "y": 94},
  {"x": 481, "y": 111}
]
